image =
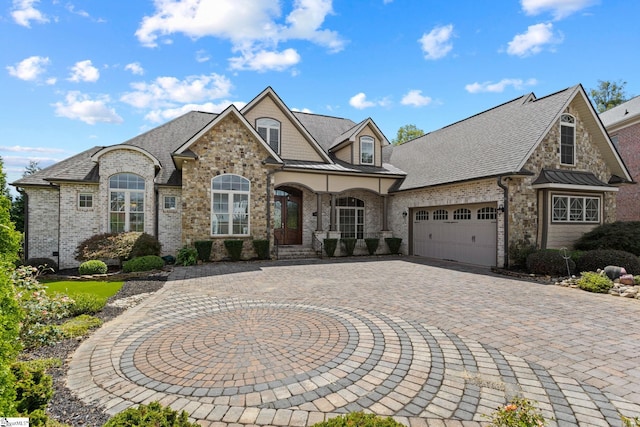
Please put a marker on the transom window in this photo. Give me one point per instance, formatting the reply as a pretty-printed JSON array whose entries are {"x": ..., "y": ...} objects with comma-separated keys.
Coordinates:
[
  {"x": 487, "y": 213},
  {"x": 366, "y": 150},
  {"x": 567, "y": 139},
  {"x": 230, "y": 205},
  {"x": 422, "y": 215},
  {"x": 85, "y": 200},
  {"x": 576, "y": 209},
  {"x": 269, "y": 130},
  {"x": 350, "y": 217},
  {"x": 126, "y": 203},
  {"x": 440, "y": 215},
  {"x": 462, "y": 214}
]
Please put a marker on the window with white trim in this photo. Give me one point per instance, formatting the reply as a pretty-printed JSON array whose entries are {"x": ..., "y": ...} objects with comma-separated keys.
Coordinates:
[
  {"x": 462, "y": 214},
  {"x": 567, "y": 139},
  {"x": 350, "y": 213},
  {"x": 422, "y": 215},
  {"x": 269, "y": 130},
  {"x": 440, "y": 215},
  {"x": 85, "y": 200},
  {"x": 576, "y": 209},
  {"x": 169, "y": 203},
  {"x": 366, "y": 150},
  {"x": 230, "y": 205},
  {"x": 487, "y": 212},
  {"x": 126, "y": 203}
]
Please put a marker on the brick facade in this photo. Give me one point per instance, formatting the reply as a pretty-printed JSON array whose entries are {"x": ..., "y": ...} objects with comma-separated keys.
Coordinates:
[
  {"x": 628, "y": 198},
  {"x": 42, "y": 222}
]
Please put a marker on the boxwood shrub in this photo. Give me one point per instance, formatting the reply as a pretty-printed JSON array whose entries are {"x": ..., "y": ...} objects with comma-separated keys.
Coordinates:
[
  {"x": 261, "y": 246},
  {"x": 620, "y": 235},
  {"x": 143, "y": 263},
  {"x": 599, "y": 259},
  {"x": 234, "y": 249},
  {"x": 595, "y": 282},
  {"x": 94, "y": 266},
  {"x": 330, "y": 246},
  {"x": 549, "y": 262},
  {"x": 349, "y": 245},
  {"x": 372, "y": 245},
  {"x": 203, "y": 247},
  {"x": 393, "y": 243},
  {"x": 153, "y": 414}
]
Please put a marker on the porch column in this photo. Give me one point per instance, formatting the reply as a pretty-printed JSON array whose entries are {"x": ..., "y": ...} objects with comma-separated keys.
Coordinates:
[
  {"x": 318, "y": 212},
  {"x": 332, "y": 213},
  {"x": 385, "y": 212}
]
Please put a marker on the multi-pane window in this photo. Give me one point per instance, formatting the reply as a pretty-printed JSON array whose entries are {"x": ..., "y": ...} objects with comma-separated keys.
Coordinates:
[
  {"x": 350, "y": 217},
  {"x": 576, "y": 209},
  {"x": 126, "y": 203},
  {"x": 230, "y": 205},
  {"x": 85, "y": 200},
  {"x": 487, "y": 213},
  {"x": 422, "y": 215},
  {"x": 440, "y": 215},
  {"x": 462, "y": 214},
  {"x": 269, "y": 130},
  {"x": 567, "y": 139},
  {"x": 366, "y": 150},
  {"x": 169, "y": 202}
]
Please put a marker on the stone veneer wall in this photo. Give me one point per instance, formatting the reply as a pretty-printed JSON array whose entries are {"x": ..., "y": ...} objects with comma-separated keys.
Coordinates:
[
  {"x": 76, "y": 224},
  {"x": 227, "y": 148},
  {"x": 42, "y": 222},
  {"x": 169, "y": 221}
]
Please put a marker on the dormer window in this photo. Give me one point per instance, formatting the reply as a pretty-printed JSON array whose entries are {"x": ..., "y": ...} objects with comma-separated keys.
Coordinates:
[
  {"x": 269, "y": 130},
  {"x": 567, "y": 140},
  {"x": 366, "y": 150}
]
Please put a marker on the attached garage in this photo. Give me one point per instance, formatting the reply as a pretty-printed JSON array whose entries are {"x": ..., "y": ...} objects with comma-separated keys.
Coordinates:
[{"x": 465, "y": 233}]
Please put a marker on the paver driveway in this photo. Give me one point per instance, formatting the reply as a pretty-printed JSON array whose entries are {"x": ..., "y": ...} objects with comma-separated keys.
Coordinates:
[{"x": 429, "y": 343}]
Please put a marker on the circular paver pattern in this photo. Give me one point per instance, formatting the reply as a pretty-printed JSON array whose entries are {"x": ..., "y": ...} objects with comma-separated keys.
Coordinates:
[{"x": 262, "y": 356}]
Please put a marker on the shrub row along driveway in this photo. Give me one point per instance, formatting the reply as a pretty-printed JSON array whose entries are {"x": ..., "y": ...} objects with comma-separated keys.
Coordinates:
[{"x": 287, "y": 344}]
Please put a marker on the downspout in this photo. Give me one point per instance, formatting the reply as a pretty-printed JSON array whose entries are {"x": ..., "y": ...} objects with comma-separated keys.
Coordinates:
[
  {"x": 505, "y": 213},
  {"x": 59, "y": 221},
  {"x": 25, "y": 223},
  {"x": 268, "y": 186},
  {"x": 156, "y": 226}
]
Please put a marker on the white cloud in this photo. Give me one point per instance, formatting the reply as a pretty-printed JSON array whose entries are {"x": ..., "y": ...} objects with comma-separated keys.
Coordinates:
[
  {"x": 135, "y": 68},
  {"x": 84, "y": 71},
  {"x": 167, "y": 91},
  {"x": 161, "y": 115},
  {"x": 79, "y": 106},
  {"x": 265, "y": 61},
  {"x": 436, "y": 44},
  {"x": 499, "y": 86},
  {"x": 558, "y": 8},
  {"x": 202, "y": 56},
  {"x": 415, "y": 98},
  {"x": 29, "y": 69},
  {"x": 21, "y": 149},
  {"x": 303, "y": 110},
  {"x": 24, "y": 12},
  {"x": 532, "y": 42},
  {"x": 361, "y": 102},
  {"x": 258, "y": 29}
]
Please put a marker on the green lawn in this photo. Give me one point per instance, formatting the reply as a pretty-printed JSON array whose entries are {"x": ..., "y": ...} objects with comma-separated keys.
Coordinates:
[{"x": 71, "y": 288}]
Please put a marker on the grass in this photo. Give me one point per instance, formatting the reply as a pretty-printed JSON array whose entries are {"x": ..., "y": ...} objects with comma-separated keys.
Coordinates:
[{"x": 71, "y": 288}]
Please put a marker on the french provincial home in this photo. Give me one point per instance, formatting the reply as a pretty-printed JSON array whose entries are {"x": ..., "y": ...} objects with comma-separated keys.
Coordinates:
[{"x": 541, "y": 170}]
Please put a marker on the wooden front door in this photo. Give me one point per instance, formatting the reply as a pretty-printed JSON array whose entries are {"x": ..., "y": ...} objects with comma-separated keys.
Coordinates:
[{"x": 288, "y": 217}]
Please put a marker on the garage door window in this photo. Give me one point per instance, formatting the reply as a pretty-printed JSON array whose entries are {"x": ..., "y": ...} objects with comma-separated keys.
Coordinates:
[
  {"x": 487, "y": 213},
  {"x": 462, "y": 214},
  {"x": 440, "y": 215},
  {"x": 350, "y": 217},
  {"x": 422, "y": 216}
]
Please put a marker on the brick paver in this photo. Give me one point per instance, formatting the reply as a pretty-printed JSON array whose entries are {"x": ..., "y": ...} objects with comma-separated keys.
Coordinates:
[{"x": 429, "y": 343}]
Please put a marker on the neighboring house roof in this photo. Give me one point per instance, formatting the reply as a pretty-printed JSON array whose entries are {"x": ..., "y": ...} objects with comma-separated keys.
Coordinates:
[
  {"x": 495, "y": 142},
  {"x": 619, "y": 115}
]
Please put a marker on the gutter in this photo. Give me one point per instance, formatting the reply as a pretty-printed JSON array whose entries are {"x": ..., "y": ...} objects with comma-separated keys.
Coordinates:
[{"x": 505, "y": 213}]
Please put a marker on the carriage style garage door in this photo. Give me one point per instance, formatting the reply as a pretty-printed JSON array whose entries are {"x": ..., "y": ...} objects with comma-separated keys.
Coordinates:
[{"x": 465, "y": 233}]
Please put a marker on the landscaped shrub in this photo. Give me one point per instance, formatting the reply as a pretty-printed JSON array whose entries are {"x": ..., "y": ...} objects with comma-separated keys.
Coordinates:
[
  {"x": 519, "y": 251},
  {"x": 261, "y": 246},
  {"x": 234, "y": 249},
  {"x": 203, "y": 247},
  {"x": 620, "y": 235},
  {"x": 359, "y": 419},
  {"x": 550, "y": 262},
  {"x": 169, "y": 259},
  {"x": 80, "y": 325},
  {"x": 10, "y": 318},
  {"x": 45, "y": 265},
  {"x": 393, "y": 243},
  {"x": 120, "y": 246},
  {"x": 153, "y": 414},
  {"x": 599, "y": 259},
  {"x": 330, "y": 246},
  {"x": 595, "y": 282},
  {"x": 143, "y": 263},
  {"x": 372, "y": 245},
  {"x": 86, "y": 304},
  {"x": 34, "y": 388},
  {"x": 187, "y": 256},
  {"x": 519, "y": 412},
  {"x": 349, "y": 245},
  {"x": 94, "y": 266},
  {"x": 145, "y": 245}
]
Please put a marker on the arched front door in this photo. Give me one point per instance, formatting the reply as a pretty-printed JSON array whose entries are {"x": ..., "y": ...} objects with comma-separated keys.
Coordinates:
[{"x": 288, "y": 216}]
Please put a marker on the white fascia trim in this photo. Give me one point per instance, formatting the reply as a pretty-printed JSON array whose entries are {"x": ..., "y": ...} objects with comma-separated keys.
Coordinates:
[{"x": 574, "y": 187}]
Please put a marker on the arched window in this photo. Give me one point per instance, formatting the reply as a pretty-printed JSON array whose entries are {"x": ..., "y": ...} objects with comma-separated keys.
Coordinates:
[
  {"x": 440, "y": 215},
  {"x": 350, "y": 213},
  {"x": 366, "y": 150},
  {"x": 567, "y": 139},
  {"x": 422, "y": 215},
  {"x": 487, "y": 213},
  {"x": 230, "y": 205},
  {"x": 126, "y": 203},
  {"x": 269, "y": 130}
]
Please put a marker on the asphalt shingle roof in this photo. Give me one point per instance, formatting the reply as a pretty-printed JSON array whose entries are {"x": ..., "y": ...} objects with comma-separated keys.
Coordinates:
[
  {"x": 324, "y": 129},
  {"x": 622, "y": 112}
]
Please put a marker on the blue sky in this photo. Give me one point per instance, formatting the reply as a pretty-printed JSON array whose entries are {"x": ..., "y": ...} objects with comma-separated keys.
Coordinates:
[{"x": 76, "y": 73}]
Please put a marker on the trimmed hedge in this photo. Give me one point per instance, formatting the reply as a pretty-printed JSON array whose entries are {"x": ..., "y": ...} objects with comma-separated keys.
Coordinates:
[
  {"x": 143, "y": 263},
  {"x": 372, "y": 245},
  {"x": 620, "y": 235},
  {"x": 349, "y": 245},
  {"x": 153, "y": 414},
  {"x": 204, "y": 249},
  {"x": 393, "y": 243},
  {"x": 330, "y": 246},
  {"x": 261, "y": 246},
  {"x": 93, "y": 266},
  {"x": 549, "y": 262},
  {"x": 593, "y": 260},
  {"x": 234, "y": 249}
]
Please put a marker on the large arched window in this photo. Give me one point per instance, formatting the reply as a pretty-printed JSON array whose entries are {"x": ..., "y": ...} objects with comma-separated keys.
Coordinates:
[
  {"x": 350, "y": 217},
  {"x": 567, "y": 139},
  {"x": 230, "y": 205},
  {"x": 126, "y": 203},
  {"x": 269, "y": 130}
]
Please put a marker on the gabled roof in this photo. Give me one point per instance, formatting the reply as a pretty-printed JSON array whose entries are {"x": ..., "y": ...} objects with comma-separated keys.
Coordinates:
[
  {"x": 75, "y": 168},
  {"x": 324, "y": 128},
  {"x": 620, "y": 115},
  {"x": 495, "y": 142},
  {"x": 350, "y": 134}
]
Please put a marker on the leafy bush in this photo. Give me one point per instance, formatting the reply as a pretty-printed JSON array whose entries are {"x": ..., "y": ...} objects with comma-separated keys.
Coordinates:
[
  {"x": 595, "y": 282},
  {"x": 86, "y": 304},
  {"x": 261, "y": 246},
  {"x": 393, "y": 243},
  {"x": 203, "y": 247},
  {"x": 93, "y": 266},
  {"x": 593, "y": 260},
  {"x": 10, "y": 319},
  {"x": 519, "y": 412},
  {"x": 153, "y": 414},
  {"x": 143, "y": 263},
  {"x": 372, "y": 245},
  {"x": 549, "y": 262},
  {"x": 187, "y": 256},
  {"x": 9, "y": 237},
  {"x": 234, "y": 249},
  {"x": 80, "y": 325},
  {"x": 43, "y": 264},
  {"x": 120, "y": 246},
  {"x": 620, "y": 235},
  {"x": 359, "y": 419},
  {"x": 519, "y": 251},
  {"x": 34, "y": 388},
  {"x": 630, "y": 422},
  {"x": 330, "y": 246},
  {"x": 349, "y": 245}
]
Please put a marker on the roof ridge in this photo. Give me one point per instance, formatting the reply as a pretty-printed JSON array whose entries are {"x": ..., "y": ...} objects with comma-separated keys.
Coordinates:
[{"x": 321, "y": 115}]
